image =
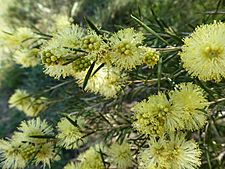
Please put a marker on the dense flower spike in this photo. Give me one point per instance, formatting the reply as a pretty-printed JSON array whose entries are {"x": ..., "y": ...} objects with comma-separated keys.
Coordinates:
[
  {"x": 156, "y": 116},
  {"x": 31, "y": 106},
  {"x": 107, "y": 81},
  {"x": 62, "y": 48},
  {"x": 203, "y": 53},
  {"x": 120, "y": 155},
  {"x": 19, "y": 99},
  {"x": 11, "y": 155},
  {"x": 170, "y": 152},
  {"x": 22, "y": 36},
  {"x": 34, "y": 127},
  {"x": 125, "y": 52},
  {"x": 27, "y": 57},
  {"x": 190, "y": 101},
  {"x": 69, "y": 134},
  {"x": 91, "y": 159},
  {"x": 45, "y": 154}
]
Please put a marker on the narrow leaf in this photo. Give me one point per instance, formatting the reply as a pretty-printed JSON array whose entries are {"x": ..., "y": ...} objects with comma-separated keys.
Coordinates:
[
  {"x": 92, "y": 26},
  {"x": 98, "y": 69},
  {"x": 42, "y": 136},
  {"x": 88, "y": 75},
  {"x": 74, "y": 123},
  {"x": 150, "y": 30}
]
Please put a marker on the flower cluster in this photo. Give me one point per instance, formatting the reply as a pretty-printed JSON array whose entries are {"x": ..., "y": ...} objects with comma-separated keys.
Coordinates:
[
  {"x": 30, "y": 143},
  {"x": 100, "y": 62},
  {"x": 24, "y": 102},
  {"x": 73, "y": 50},
  {"x": 183, "y": 111},
  {"x": 161, "y": 117}
]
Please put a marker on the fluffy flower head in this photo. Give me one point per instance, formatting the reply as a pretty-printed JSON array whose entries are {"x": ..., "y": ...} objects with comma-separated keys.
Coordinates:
[
  {"x": 125, "y": 52},
  {"x": 156, "y": 116},
  {"x": 34, "y": 127},
  {"x": 27, "y": 57},
  {"x": 189, "y": 99},
  {"x": 121, "y": 155},
  {"x": 10, "y": 155},
  {"x": 31, "y": 106},
  {"x": 203, "y": 53},
  {"x": 20, "y": 37},
  {"x": 170, "y": 152},
  {"x": 107, "y": 81},
  {"x": 69, "y": 134},
  {"x": 91, "y": 159}
]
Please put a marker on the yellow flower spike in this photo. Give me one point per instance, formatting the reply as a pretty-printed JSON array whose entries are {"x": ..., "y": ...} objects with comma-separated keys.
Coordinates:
[
  {"x": 45, "y": 154},
  {"x": 125, "y": 52},
  {"x": 188, "y": 100},
  {"x": 34, "y": 127},
  {"x": 11, "y": 155},
  {"x": 55, "y": 51},
  {"x": 91, "y": 159},
  {"x": 31, "y": 106},
  {"x": 171, "y": 151},
  {"x": 69, "y": 135},
  {"x": 19, "y": 99},
  {"x": 72, "y": 165},
  {"x": 81, "y": 64},
  {"x": 22, "y": 36},
  {"x": 203, "y": 52},
  {"x": 156, "y": 116},
  {"x": 121, "y": 155},
  {"x": 106, "y": 82},
  {"x": 27, "y": 57}
]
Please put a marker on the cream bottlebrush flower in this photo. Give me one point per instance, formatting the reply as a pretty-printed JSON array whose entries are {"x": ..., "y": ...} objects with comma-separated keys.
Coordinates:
[
  {"x": 93, "y": 44},
  {"x": 91, "y": 159},
  {"x": 20, "y": 37},
  {"x": 203, "y": 52},
  {"x": 19, "y": 99},
  {"x": 107, "y": 81},
  {"x": 45, "y": 154},
  {"x": 125, "y": 52},
  {"x": 156, "y": 116},
  {"x": 11, "y": 156},
  {"x": 35, "y": 106},
  {"x": 27, "y": 57},
  {"x": 120, "y": 155},
  {"x": 22, "y": 100},
  {"x": 172, "y": 152},
  {"x": 189, "y": 99},
  {"x": 56, "y": 52},
  {"x": 69, "y": 36},
  {"x": 68, "y": 134},
  {"x": 150, "y": 56},
  {"x": 34, "y": 127}
]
